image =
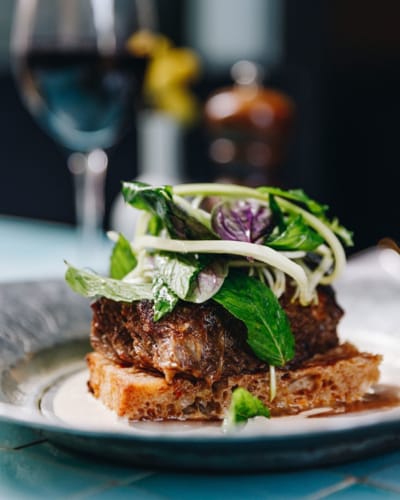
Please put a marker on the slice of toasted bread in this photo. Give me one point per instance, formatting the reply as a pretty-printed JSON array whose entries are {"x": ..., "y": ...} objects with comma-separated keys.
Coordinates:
[{"x": 341, "y": 375}]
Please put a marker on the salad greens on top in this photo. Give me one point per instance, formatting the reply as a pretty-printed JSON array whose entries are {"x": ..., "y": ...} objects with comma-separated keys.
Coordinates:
[{"x": 242, "y": 253}]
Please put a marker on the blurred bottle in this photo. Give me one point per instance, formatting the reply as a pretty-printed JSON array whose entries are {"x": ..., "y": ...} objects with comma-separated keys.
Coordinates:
[
  {"x": 249, "y": 127},
  {"x": 159, "y": 163}
]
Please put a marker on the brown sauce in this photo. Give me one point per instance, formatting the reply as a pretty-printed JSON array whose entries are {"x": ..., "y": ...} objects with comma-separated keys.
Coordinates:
[{"x": 384, "y": 397}]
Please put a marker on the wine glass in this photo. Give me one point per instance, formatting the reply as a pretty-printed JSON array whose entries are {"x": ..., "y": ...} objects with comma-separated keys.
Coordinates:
[{"x": 80, "y": 82}]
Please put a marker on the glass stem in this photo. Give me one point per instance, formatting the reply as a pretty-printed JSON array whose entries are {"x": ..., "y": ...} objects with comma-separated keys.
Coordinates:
[{"x": 89, "y": 173}]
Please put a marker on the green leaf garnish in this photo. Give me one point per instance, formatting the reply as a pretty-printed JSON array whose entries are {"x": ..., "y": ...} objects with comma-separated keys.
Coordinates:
[
  {"x": 160, "y": 202},
  {"x": 154, "y": 226},
  {"x": 316, "y": 208},
  {"x": 123, "y": 259},
  {"x": 208, "y": 281},
  {"x": 164, "y": 298},
  {"x": 185, "y": 277},
  {"x": 177, "y": 271},
  {"x": 296, "y": 236},
  {"x": 172, "y": 279},
  {"x": 277, "y": 213},
  {"x": 344, "y": 234},
  {"x": 298, "y": 195},
  {"x": 268, "y": 329},
  {"x": 244, "y": 406},
  {"x": 153, "y": 199},
  {"x": 91, "y": 285}
]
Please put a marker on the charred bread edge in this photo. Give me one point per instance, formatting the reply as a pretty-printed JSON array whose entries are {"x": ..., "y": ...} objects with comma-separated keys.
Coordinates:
[{"x": 339, "y": 376}]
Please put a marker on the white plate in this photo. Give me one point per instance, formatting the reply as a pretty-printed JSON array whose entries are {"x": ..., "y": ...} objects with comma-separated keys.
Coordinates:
[{"x": 44, "y": 336}]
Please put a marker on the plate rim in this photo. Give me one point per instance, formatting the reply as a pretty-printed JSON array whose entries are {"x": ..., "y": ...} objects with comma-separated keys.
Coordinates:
[
  {"x": 31, "y": 417},
  {"x": 40, "y": 423}
]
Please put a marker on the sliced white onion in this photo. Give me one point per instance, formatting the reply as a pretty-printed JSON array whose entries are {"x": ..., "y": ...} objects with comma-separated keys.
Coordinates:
[
  {"x": 257, "y": 252},
  {"x": 211, "y": 189}
]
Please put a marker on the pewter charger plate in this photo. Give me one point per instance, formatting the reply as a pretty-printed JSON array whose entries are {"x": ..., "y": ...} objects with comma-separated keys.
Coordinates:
[{"x": 44, "y": 331}]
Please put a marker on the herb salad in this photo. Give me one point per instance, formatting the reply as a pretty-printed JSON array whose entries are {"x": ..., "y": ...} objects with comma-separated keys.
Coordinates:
[{"x": 242, "y": 253}]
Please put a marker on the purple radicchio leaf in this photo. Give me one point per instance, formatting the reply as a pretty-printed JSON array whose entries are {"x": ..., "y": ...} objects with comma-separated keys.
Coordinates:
[{"x": 242, "y": 220}]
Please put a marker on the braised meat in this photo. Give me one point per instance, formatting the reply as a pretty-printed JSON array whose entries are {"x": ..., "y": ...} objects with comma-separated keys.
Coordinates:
[
  {"x": 203, "y": 340},
  {"x": 314, "y": 327}
]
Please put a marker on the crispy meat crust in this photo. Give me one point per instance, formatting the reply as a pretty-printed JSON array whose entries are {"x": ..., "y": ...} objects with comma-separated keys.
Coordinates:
[{"x": 204, "y": 341}]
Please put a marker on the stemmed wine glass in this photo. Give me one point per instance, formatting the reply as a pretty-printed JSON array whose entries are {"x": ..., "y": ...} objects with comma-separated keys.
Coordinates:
[{"x": 81, "y": 83}]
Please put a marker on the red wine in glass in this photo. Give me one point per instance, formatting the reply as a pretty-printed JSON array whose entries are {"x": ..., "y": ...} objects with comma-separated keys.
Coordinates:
[
  {"x": 81, "y": 83},
  {"x": 83, "y": 99}
]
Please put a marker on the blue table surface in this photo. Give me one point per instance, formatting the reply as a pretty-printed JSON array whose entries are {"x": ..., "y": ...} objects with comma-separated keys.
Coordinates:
[{"x": 32, "y": 467}]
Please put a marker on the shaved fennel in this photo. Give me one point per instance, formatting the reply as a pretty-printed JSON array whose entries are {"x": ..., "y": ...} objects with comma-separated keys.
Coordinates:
[{"x": 258, "y": 252}]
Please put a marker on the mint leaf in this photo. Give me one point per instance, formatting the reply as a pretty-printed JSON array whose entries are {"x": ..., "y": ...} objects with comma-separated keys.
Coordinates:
[
  {"x": 164, "y": 298},
  {"x": 244, "y": 406},
  {"x": 142, "y": 196},
  {"x": 173, "y": 277},
  {"x": 159, "y": 202},
  {"x": 296, "y": 236},
  {"x": 316, "y": 208},
  {"x": 268, "y": 329},
  {"x": 185, "y": 277},
  {"x": 154, "y": 226},
  {"x": 91, "y": 285},
  {"x": 208, "y": 281},
  {"x": 299, "y": 196},
  {"x": 123, "y": 259},
  {"x": 277, "y": 213},
  {"x": 344, "y": 234},
  {"x": 176, "y": 271}
]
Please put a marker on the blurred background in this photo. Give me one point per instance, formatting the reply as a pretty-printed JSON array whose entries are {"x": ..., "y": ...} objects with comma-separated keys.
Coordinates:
[{"x": 338, "y": 62}]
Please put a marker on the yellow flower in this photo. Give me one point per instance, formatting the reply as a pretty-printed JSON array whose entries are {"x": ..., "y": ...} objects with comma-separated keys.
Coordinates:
[
  {"x": 169, "y": 73},
  {"x": 145, "y": 43},
  {"x": 178, "y": 102},
  {"x": 172, "y": 67}
]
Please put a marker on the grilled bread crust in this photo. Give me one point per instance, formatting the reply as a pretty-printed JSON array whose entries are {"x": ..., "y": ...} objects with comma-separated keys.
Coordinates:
[{"x": 341, "y": 375}]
